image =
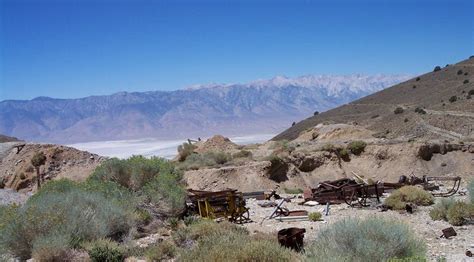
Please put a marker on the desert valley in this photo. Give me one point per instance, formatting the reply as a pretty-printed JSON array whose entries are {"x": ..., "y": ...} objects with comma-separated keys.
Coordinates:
[{"x": 422, "y": 127}]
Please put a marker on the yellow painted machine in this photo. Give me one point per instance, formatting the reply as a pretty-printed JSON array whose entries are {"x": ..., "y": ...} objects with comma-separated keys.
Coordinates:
[{"x": 228, "y": 204}]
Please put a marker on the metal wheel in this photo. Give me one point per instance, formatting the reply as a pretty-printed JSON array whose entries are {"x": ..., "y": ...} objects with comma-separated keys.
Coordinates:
[{"x": 241, "y": 218}]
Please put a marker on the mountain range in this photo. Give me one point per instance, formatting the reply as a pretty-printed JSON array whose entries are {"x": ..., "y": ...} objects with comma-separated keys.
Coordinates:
[
  {"x": 262, "y": 106},
  {"x": 434, "y": 105}
]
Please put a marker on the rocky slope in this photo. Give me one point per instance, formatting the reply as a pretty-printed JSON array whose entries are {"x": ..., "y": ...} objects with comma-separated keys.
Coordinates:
[
  {"x": 303, "y": 163},
  {"x": 434, "y": 105},
  {"x": 264, "y": 106},
  {"x": 16, "y": 171}
]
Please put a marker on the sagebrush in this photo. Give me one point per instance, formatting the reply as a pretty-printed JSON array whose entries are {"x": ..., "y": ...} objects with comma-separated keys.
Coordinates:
[{"x": 371, "y": 239}]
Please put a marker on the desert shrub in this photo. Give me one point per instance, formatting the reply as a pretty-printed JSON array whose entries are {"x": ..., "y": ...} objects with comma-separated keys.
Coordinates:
[
  {"x": 316, "y": 113},
  {"x": 408, "y": 194},
  {"x": 185, "y": 150},
  {"x": 234, "y": 245},
  {"x": 471, "y": 92},
  {"x": 371, "y": 239},
  {"x": 208, "y": 159},
  {"x": 398, "y": 110},
  {"x": 189, "y": 220},
  {"x": 436, "y": 69},
  {"x": 167, "y": 192},
  {"x": 155, "y": 180},
  {"x": 465, "y": 81},
  {"x": 357, "y": 147},
  {"x": 417, "y": 79},
  {"x": 315, "y": 216},
  {"x": 440, "y": 209},
  {"x": 344, "y": 153},
  {"x": 77, "y": 215},
  {"x": 51, "y": 248},
  {"x": 328, "y": 148},
  {"x": 161, "y": 251},
  {"x": 132, "y": 173},
  {"x": 470, "y": 188},
  {"x": 242, "y": 154},
  {"x": 453, "y": 99},
  {"x": 459, "y": 72},
  {"x": 420, "y": 110},
  {"x": 459, "y": 213},
  {"x": 189, "y": 234},
  {"x": 104, "y": 250},
  {"x": 293, "y": 190}
]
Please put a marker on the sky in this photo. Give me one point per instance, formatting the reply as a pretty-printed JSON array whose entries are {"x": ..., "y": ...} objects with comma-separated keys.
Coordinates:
[{"x": 72, "y": 48}]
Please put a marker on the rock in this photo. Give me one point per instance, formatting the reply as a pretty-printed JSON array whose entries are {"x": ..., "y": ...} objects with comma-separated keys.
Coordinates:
[
  {"x": 311, "y": 203},
  {"x": 91, "y": 157}
]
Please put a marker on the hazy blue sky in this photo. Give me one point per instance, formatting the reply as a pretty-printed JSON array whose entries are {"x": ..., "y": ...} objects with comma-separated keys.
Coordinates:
[{"x": 79, "y": 48}]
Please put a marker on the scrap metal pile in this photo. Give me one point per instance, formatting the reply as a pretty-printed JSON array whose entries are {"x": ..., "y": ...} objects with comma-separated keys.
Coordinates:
[{"x": 357, "y": 192}]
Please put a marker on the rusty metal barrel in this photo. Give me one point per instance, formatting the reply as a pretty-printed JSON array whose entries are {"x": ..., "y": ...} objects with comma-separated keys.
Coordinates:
[{"x": 292, "y": 238}]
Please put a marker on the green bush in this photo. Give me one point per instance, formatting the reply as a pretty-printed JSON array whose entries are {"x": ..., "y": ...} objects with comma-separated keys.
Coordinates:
[
  {"x": 371, "y": 239},
  {"x": 408, "y": 194},
  {"x": 417, "y": 79},
  {"x": 436, "y": 69},
  {"x": 132, "y": 173},
  {"x": 204, "y": 227},
  {"x": 156, "y": 180},
  {"x": 225, "y": 242},
  {"x": 471, "y": 92},
  {"x": 76, "y": 214},
  {"x": 315, "y": 216},
  {"x": 459, "y": 72},
  {"x": 453, "y": 99},
  {"x": 465, "y": 81},
  {"x": 459, "y": 213},
  {"x": 104, "y": 250},
  {"x": 185, "y": 150},
  {"x": 208, "y": 159},
  {"x": 440, "y": 209},
  {"x": 357, "y": 147},
  {"x": 167, "y": 192}
]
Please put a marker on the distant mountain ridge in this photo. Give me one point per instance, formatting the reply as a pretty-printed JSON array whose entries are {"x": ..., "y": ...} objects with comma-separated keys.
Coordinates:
[
  {"x": 434, "y": 105},
  {"x": 262, "y": 106}
]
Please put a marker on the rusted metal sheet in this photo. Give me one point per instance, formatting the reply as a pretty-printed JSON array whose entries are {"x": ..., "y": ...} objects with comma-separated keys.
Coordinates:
[{"x": 448, "y": 232}]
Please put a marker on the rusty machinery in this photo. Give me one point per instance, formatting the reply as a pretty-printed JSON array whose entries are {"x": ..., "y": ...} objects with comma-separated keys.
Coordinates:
[
  {"x": 228, "y": 204},
  {"x": 356, "y": 193}
]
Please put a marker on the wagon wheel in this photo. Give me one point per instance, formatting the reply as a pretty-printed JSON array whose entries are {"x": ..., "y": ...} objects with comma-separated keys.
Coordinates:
[
  {"x": 240, "y": 218},
  {"x": 352, "y": 199}
]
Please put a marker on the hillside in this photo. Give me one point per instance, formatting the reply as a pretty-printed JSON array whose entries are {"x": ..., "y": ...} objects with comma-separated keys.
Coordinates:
[
  {"x": 444, "y": 96},
  {"x": 264, "y": 106}
]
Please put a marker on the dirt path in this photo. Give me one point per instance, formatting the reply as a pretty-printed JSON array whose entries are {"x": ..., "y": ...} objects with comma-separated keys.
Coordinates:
[
  {"x": 450, "y": 113},
  {"x": 441, "y": 132}
]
